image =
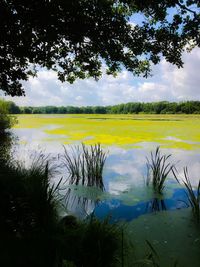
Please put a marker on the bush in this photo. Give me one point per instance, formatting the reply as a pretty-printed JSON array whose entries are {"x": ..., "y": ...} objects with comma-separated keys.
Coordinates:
[{"x": 6, "y": 120}]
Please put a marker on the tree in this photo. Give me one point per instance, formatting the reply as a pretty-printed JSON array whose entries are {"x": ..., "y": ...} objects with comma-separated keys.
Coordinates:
[
  {"x": 27, "y": 110},
  {"x": 13, "y": 108},
  {"x": 6, "y": 121},
  {"x": 73, "y": 38}
]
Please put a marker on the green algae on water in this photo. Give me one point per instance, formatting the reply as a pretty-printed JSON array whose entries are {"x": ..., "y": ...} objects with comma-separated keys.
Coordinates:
[{"x": 128, "y": 131}]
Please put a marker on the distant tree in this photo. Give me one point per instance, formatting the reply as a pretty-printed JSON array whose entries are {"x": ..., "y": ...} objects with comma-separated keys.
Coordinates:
[
  {"x": 36, "y": 110},
  {"x": 87, "y": 110},
  {"x": 13, "y": 108},
  {"x": 134, "y": 107},
  {"x": 162, "y": 107},
  {"x": 99, "y": 110},
  {"x": 171, "y": 108},
  {"x": 62, "y": 110},
  {"x": 27, "y": 110},
  {"x": 51, "y": 109},
  {"x": 74, "y": 37},
  {"x": 73, "y": 110}
]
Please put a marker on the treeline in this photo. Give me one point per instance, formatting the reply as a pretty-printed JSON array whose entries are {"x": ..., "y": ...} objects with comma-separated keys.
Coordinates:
[{"x": 163, "y": 107}]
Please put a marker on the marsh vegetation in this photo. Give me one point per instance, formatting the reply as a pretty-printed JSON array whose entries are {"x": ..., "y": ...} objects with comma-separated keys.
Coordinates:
[
  {"x": 85, "y": 165},
  {"x": 34, "y": 211},
  {"x": 158, "y": 169},
  {"x": 192, "y": 192},
  {"x": 34, "y": 233}
]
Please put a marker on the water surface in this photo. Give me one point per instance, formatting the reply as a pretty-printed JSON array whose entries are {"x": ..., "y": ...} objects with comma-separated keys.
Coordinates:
[{"x": 128, "y": 140}]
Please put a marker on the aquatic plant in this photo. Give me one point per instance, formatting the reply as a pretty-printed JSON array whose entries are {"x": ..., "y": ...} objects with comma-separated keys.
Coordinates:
[
  {"x": 85, "y": 165},
  {"x": 192, "y": 194},
  {"x": 158, "y": 169}
]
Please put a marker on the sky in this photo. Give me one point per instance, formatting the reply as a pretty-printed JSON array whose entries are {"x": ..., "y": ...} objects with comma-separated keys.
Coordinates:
[{"x": 167, "y": 83}]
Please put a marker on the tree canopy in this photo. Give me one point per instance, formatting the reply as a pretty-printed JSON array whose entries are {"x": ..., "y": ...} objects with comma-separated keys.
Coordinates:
[
  {"x": 74, "y": 38},
  {"x": 162, "y": 107}
]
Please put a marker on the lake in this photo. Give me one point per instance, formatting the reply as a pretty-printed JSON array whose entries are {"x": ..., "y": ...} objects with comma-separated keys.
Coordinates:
[{"x": 166, "y": 221}]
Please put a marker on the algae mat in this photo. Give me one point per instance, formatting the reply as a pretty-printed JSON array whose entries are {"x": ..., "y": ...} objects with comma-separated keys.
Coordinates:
[
  {"x": 128, "y": 131},
  {"x": 173, "y": 234}
]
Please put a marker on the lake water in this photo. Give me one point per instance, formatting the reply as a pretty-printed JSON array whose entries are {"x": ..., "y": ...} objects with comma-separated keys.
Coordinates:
[{"x": 128, "y": 140}]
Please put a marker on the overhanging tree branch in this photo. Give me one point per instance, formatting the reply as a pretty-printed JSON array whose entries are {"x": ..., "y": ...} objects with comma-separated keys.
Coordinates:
[{"x": 74, "y": 37}]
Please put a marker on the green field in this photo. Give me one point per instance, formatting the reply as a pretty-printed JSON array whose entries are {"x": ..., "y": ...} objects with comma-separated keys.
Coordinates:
[{"x": 129, "y": 131}]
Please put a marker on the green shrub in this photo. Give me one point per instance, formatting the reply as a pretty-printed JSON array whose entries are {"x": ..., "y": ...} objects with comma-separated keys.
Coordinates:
[{"x": 6, "y": 120}]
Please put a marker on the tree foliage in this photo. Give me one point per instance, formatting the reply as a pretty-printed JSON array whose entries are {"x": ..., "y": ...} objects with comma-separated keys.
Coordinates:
[
  {"x": 75, "y": 37},
  {"x": 6, "y": 121},
  {"x": 162, "y": 107}
]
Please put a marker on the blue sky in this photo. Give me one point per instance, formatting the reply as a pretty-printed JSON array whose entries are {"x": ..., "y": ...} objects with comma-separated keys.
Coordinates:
[{"x": 167, "y": 83}]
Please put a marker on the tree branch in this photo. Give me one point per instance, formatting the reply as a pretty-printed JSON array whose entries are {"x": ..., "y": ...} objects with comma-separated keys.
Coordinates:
[{"x": 188, "y": 9}]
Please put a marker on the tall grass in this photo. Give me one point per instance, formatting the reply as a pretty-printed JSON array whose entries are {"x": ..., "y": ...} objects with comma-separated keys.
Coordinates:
[
  {"x": 158, "y": 169},
  {"x": 193, "y": 195},
  {"x": 28, "y": 217},
  {"x": 92, "y": 243},
  {"x": 85, "y": 165},
  {"x": 28, "y": 197}
]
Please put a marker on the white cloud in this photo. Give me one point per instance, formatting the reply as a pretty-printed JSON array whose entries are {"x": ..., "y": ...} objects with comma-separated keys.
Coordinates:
[
  {"x": 132, "y": 24},
  {"x": 79, "y": 98},
  {"x": 167, "y": 83}
]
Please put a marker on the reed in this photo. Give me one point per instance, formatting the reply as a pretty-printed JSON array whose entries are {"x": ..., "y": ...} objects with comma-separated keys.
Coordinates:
[
  {"x": 85, "y": 165},
  {"x": 193, "y": 195},
  {"x": 158, "y": 169},
  {"x": 29, "y": 213},
  {"x": 28, "y": 197}
]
